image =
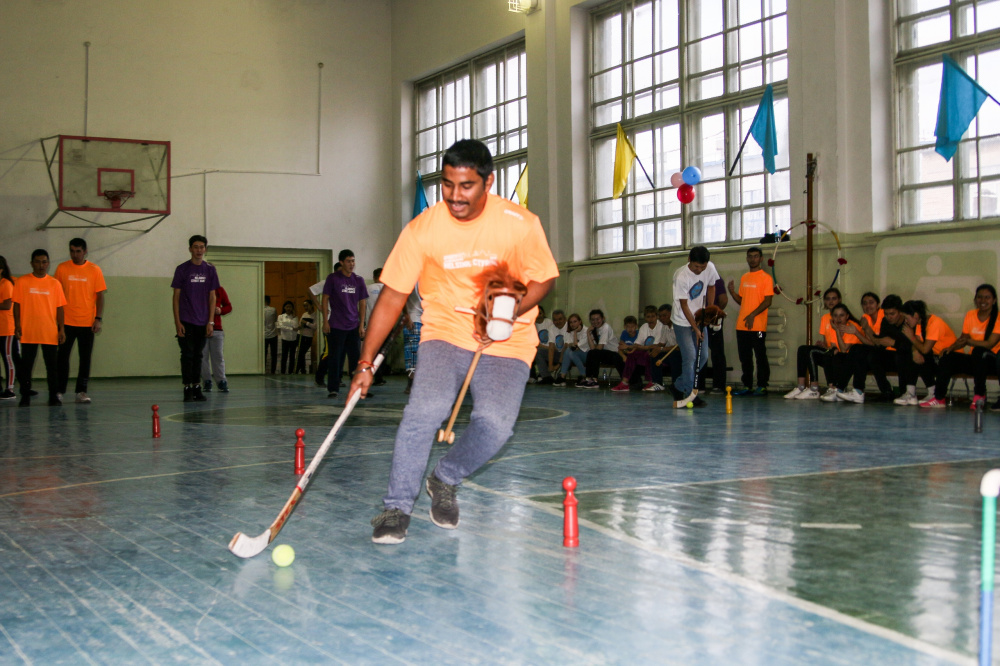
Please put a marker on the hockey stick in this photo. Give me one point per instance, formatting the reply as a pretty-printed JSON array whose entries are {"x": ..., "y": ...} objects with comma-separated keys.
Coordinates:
[
  {"x": 664, "y": 357},
  {"x": 447, "y": 434},
  {"x": 244, "y": 546}
]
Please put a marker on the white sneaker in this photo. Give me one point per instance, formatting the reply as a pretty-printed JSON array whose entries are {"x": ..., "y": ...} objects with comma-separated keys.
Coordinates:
[
  {"x": 82, "y": 398},
  {"x": 653, "y": 387},
  {"x": 794, "y": 393},
  {"x": 808, "y": 394},
  {"x": 907, "y": 400},
  {"x": 851, "y": 395},
  {"x": 830, "y": 395}
]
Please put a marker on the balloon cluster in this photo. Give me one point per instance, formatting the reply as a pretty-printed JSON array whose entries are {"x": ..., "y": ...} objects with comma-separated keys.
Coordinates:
[{"x": 685, "y": 181}]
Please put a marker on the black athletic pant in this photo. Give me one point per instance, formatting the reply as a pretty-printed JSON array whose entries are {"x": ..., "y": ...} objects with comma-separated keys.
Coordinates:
[
  {"x": 672, "y": 362},
  {"x": 909, "y": 370},
  {"x": 192, "y": 345},
  {"x": 27, "y": 365},
  {"x": 809, "y": 359},
  {"x": 305, "y": 344},
  {"x": 341, "y": 343},
  {"x": 750, "y": 345},
  {"x": 596, "y": 357},
  {"x": 288, "y": 356},
  {"x": 85, "y": 334},
  {"x": 882, "y": 360},
  {"x": 717, "y": 349},
  {"x": 841, "y": 367},
  {"x": 980, "y": 363},
  {"x": 271, "y": 345}
]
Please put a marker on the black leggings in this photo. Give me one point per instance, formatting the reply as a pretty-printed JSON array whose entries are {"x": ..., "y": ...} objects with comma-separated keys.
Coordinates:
[
  {"x": 28, "y": 353},
  {"x": 980, "y": 363},
  {"x": 809, "y": 359},
  {"x": 598, "y": 357},
  {"x": 288, "y": 356}
]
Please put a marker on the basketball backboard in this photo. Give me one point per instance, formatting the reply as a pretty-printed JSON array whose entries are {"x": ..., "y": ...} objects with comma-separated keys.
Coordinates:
[{"x": 98, "y": 174}]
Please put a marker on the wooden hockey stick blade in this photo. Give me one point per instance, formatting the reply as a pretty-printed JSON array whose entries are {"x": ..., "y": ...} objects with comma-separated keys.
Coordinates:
[{"x": 244, "y": 546}]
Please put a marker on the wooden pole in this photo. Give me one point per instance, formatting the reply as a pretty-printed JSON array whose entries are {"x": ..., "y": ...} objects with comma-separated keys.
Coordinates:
[{"x": 810, "y": 176}]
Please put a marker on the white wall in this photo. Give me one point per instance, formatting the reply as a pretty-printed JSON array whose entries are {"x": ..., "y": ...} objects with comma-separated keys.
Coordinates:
[{"x": 234, "y": 85}]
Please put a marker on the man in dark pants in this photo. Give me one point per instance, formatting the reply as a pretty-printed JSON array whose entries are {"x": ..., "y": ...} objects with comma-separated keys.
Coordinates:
[
  {"x": 344, "y": 297},
  {"x": 83, "y": 284},
  {"x": 754, "y": 297},
  {"x": 38, "y": 322},
  {"x": 194, "y": 288}
]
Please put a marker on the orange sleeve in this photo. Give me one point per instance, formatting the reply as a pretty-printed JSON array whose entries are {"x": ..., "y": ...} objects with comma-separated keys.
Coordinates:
[{"x": 402, "y": 268}]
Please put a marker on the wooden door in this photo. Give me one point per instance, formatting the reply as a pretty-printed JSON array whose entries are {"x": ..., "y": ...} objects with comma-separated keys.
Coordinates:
[{"x": 290, "y": 281}]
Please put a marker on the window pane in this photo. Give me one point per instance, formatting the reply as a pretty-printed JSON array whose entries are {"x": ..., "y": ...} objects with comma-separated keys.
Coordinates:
[
  {"x": 989, "y": 206},
  {"x": 608, "y": 41},
  {"x": 666, "y": 67},
  {"x": 781, "y": 218},
  {"x": 668, "y": 233},
  {"x": 704, "y": 18},
  {"x": 710, "y": 138},
  {"x": 928, "y": 30},
  {"x": 709, "y": 228},
  {"x": 645, "y": 236},
  {"x": 604, "y": 159},
  {"x": 923, "y": 166},
  {"x": 642, "y": 30},
  {"x": 608, "y": 113},
  {"x": 486, "y": 86},
  {"x": 709, "y": 196},
  {"x": 427, "y": 108},
  {"x": 610, "y": 241},
  {"x": 989, "y": 156},
  {"x": 776, "y": 34},
  {"x": 933, "y": 204},
  {"x": 751, "y": 42},
  {"x": 749, "y": 10},
  {"x": 754, "y": 223},
  {"x": 667, "y": 26},
  {"x": 608, "y": 85},
  {"x": 706, "y": 87},
  {"x": 907, "y": 7},
  {"x": 705, "y": 55},
  {"x": 772, "y": 7}
]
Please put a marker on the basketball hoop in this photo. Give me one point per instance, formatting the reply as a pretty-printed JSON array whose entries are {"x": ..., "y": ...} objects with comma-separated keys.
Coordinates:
[{"x": 118, "y": 197}]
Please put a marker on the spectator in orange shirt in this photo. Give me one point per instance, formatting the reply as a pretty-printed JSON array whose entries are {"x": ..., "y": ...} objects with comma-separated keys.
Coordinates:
[
  {"x": 754, "y": 297},
  {"x": 38, "y": 322},
  {"x": 928, "y": 336},
  {"x": 83, "y": 285},
  {"x": 849, "y": 357},
  {"x": 9, "y": 348}
]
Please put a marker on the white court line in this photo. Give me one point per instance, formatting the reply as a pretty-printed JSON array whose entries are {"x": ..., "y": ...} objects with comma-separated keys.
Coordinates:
[
  {"x": 914, "y": 644},
  {"x": 831, "y": 526},
  {"x": 941, "y": 526},
  {"x": 744, "y": 479}
]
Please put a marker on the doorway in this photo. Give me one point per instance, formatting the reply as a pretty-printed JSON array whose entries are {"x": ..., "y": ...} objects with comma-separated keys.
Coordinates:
[{"x": 290, "y": 281}]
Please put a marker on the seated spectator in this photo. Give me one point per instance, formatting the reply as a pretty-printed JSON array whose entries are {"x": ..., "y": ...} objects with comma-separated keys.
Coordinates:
[
  {"x": 665, "y": 353},
  {"x": 545, "y": 354},
  {"x": 814, "y": 356},
  {"x": 601, "y": 338},
  {"x": 929, "y": 337},
  {"x": 980, "y": 334},
  {"x": 647, "y": 342},
  {"x": 848, "y": 357},
  {"x": 627, "y": 345},
  {"x": 574, "y": 351},
  {"x": 881, "y": 357}
]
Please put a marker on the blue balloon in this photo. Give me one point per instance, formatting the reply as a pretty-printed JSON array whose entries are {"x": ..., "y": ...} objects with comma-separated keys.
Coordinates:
[{"x": 691, "y": 175}]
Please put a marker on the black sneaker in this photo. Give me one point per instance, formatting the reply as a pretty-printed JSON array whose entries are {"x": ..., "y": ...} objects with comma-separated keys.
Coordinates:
[
  {"x": 197, "y": 395},
  {"x": 545, "y": 381},
  {"x": 331, "y": 394},
  {"x": 390, "y": 526},
  {"x": 8, "y": 395},
  {"x": 559, "y": 381},
  {"x": 25, "y": 401},
  {"x": 224, "y": 386},
  {"x": 444, "y": 508},
  {"x": 206, "y": 386},
  {"x": 188, "y": 394},
  {"x": 55, "y": 400}
]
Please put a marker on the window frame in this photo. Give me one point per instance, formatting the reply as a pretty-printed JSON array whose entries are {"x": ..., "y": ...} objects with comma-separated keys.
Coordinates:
[{"x": 732, "y": 104}]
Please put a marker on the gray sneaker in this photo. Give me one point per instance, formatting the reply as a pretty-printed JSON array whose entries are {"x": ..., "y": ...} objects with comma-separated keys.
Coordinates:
[
  {"x": 83, "y": 398},
  {"x": 390, "y": 526},
  {"x": 444, "y": 508}
]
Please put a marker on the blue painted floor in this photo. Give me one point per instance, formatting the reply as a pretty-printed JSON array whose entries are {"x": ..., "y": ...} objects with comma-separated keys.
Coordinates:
[{"x": 789, "y": 532}]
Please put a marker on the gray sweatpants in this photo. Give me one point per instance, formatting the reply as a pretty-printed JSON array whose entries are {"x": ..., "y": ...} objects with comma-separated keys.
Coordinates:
[
  {"x": 213, "y": 354},
  {"x": 496, "y": 388}
]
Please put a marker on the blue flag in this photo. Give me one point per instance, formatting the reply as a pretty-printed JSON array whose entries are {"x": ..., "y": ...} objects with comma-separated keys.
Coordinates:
[
  {"x": 420, "y": 198},
  {"x": 959, "y": 103},
  {"x": 763, "y": 131}
]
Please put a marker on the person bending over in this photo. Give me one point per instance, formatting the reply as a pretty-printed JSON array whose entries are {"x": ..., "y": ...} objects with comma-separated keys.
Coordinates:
[
  {"x": 694, "y": 288},
  {"x": 929, "y": 336}
]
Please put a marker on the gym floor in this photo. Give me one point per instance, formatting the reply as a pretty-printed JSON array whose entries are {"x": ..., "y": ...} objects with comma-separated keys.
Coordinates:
[{"x": 788, "y": 532}]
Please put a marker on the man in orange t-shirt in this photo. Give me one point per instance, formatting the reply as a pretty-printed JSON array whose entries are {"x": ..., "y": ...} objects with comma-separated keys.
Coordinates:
[
  {"x": 38, "y": 322},
  {"x": 446, "y": 247},
  {"x": 754, "y": 298},
  {"x": 83, "y": 284}
]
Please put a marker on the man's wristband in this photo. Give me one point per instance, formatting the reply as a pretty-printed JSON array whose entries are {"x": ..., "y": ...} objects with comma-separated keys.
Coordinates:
[
  {"x": 98, "y": 319},
  {"x": 367, "y": 363}
]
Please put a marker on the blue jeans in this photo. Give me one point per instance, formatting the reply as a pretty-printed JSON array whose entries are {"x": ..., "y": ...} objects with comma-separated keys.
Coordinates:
[
  {"x": 686, "y": 341},
  {"x": 497, "y": 387},
  {"x": 574, "y": 357}
]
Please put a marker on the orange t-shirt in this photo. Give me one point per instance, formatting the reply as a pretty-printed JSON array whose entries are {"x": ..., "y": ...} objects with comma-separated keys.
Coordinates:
[
  {"x": 977, "y": 329},
  {"x": 81, "y": 285},
  {"x": 445, "y": 254},
  {"x": 938, "y": 331},
  {"x": 38, "y": 299},
  {"x": 849, "y": 338},
  {"x": 755, "y": 286},
  {"x": 824, "y": 324},
  {"x": 6, "y": 316}
]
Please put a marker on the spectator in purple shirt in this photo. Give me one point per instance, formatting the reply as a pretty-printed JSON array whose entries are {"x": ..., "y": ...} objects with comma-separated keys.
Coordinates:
[
  {"x": 194, "y": 288},
  {"x": 716, "y": 345},
  {"x": 345, "y": 297}
]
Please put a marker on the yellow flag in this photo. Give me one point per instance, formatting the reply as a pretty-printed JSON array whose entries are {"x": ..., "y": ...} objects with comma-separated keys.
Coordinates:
[
  {"x": 521, "y": 189},
  {"x": 624, "y": 156}
]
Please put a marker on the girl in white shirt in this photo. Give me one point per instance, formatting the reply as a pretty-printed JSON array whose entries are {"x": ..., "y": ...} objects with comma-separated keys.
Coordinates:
[{"x": 288, "y": 329}]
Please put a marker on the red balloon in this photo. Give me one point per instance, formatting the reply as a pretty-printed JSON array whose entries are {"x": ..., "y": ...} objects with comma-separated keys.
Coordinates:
[{"x": 685, "y": 194}]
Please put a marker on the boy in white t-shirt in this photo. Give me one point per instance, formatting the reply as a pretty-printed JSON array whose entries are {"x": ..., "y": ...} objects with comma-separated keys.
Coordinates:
[
  {"x": 665, "y": 356},
  {"x": 603, "y": 349},
  {"x": 647, "y": 343},
  {"x": 694, "y": 286}
]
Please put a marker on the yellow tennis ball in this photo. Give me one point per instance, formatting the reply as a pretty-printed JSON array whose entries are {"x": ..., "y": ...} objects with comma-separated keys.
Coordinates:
[
  {"x": 690, "y": 405},
  {"x": 283, "y": 555}
]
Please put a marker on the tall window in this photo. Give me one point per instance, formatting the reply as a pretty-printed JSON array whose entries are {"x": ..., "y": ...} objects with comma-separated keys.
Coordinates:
[
  {"x": 967, "y": 187},
  {"x": 684, "y": 78},
  {"x": 484, "y": 98}
]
